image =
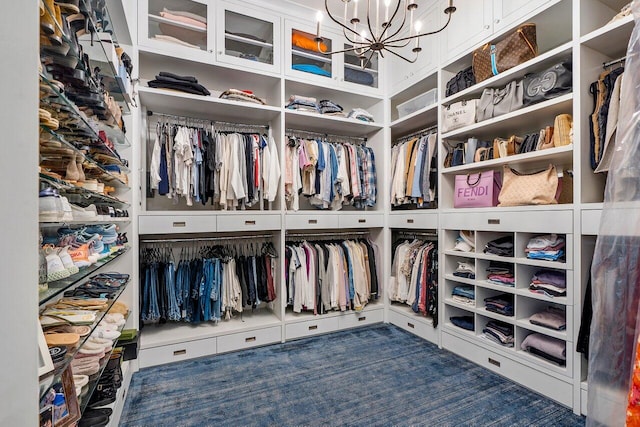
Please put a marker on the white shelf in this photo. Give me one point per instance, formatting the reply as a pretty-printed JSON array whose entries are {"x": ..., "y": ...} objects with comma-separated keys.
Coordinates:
[
  {"x": 247, "y": 40},
  {"x": 524, "y": 323},
  {"x": 612, "y": 39},
  {"x": 538, "y": 63},
  {"x": 557, "y": 155},
  {"x": 175, "y": 333},
  {"x": 542, "y": 263},
  {"x": 540, "y": 363},
  {"x": 407, "y": 311},
  {"x": 527, "y": 293},
  {"x": 302, "y": 120},
  {"x": 528, "y": 119},
  {"x": 459, "y": 305},
  {"x": 460, "y": 253},
  {"x": 464, "y": 280},
  {"x": 162, "y": 20},
  {"x": 415, "y": 121},
  {"x": 205, "y": 107},
  {"x": 311, "y": 55},
  {"x": 495, "y": 287},
  {"x": 359, "y": 68},
  {"x": 291, "y": 317},
  {"x": 492, "y": 257},
  {"x": 118, "y": 220},
  {"x": 458, "y": 330}
]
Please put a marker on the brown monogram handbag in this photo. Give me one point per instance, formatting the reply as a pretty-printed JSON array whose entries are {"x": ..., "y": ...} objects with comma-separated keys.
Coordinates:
[
  {"x": 514, "y": 49},
  {"x": 518, "y": 189}
]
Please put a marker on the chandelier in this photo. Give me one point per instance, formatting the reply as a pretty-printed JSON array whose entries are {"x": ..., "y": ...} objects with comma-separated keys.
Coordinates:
[{"x": 370, "y": 36}]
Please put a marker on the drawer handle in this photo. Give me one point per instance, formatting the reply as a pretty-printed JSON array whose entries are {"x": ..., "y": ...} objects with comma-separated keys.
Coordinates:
[
  {"x": 361, "y": 319},
  {"x": 180, "y": 352},
  {"x": 362, "y": 221},
  {"x": 180, "y": 224},
  {"x": 249, "y": 339},
  {"x": 409, "y": 221},
  {"x": 313, "y": 327},
  {"x": 493, "y": 221},
  {"x": 411, "y": 325},
  {"x": 313, "y": 221},
  {"x": 250, "y": 222},
  {"x": 494, "y": 362}
]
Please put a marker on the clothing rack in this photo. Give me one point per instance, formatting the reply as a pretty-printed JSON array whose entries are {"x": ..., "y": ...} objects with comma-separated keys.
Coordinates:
[
  {"x": 326, "y": 236},
  {"x": 420, "y": 132},
  {"x": 214, "y": 123},
  {"x": 206, "y": 239},
  {"x": 339, "y": 138},
  {"x": 614, "y": 62}
]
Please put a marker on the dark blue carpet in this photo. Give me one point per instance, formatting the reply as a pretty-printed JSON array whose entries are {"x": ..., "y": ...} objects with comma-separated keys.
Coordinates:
[{"x": 375, "y": 376}]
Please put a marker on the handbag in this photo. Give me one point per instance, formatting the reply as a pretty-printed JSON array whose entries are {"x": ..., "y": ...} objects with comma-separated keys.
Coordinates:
[
  {"x": 477, "y": 190},
  {"x": 562, "y": 134},
  {"x": 470, "y": 150},
  {"x": 459, "y": 114},
  {"x": 506, "y": 147},
  {"x": 514, "y": 49},
  {"x": 483, "y": 153},
  {"x": 529, "y": 143},
  {"x": 458, "y": 155},
  {"x": 539, "y": 188},
  {"x": 496, "y": 102},
  {"x": 462, "y": 80},
  {"x": 550, "y": 83}
]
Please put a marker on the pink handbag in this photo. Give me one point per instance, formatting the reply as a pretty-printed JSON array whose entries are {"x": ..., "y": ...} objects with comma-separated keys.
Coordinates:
[{"x": 477, "y": 190}]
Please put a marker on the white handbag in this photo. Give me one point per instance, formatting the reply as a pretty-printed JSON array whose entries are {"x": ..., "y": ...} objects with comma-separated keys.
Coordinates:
[{"x": 459, "y": 114}]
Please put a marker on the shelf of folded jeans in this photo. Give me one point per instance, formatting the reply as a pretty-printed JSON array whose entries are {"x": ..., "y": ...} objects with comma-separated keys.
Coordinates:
[
  {"x": 525, "y": 323},
  {"x": 561, "y": 265},
  {"x": 205, "y": 107},
  {"x": 542, "y": 297},
  {"x": 315, "y": 122},
  {"x": 83, "y": 125},
  {"x": 460, "y": 279},
  {"x": 540, "y": 158},
  {"x": 93, "y": 383},
  {"x": 59, "y": 286},
  {"x": 68, "y": 358},
  {"x": 611, "y": 39},
  {"x": 247, "y": 40},
  {"x": 184, "y": 25},
  {"x": 90, "y": 196},
  {"x": 454, "y": 303},
  {"x": 53, "y": 158}
]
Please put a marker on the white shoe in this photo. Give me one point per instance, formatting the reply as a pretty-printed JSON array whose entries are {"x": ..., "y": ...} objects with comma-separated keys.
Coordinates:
[
  {"x": 106, "y": 332},
  {"x": 84, "y": 214},
  {"x": 67, "y": 213},
  {"x": 55, "y": 267},
  {"x": 67, "y": 261}
]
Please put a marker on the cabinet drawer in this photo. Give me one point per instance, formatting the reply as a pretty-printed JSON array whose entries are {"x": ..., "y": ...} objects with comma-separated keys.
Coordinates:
[
  {"x": 591, "y": 221},
  {"x": 416, "y": 326},
  {"x": 166, "y": 224},
  {"x": 532, "y": 221},
  {"x": 247, "y": 221},
  {"x": 544, "y": 384},
  {"x": 418, "y": 220},
  {"x": 312, "y": 327},
  {"x": 304, "y": 222},
  {"x": 363, "y": 318},
  {"x": 176, "y": 352},
  {"x": 360, "y": 221},
  {"x": 249, "y": 339}
]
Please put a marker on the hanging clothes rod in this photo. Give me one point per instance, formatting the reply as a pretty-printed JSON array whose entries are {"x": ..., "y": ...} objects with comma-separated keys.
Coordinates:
[
  {"x": 418, "y": 133},
  {"x": 328, "y": 236},
  {"x": 300, "y": 133},
  {"x": 417, "y": 233},
  {"x": 212, "y": 122},
  {"x": 614, "y": 62},
  {"x": 206, "y": 239}
]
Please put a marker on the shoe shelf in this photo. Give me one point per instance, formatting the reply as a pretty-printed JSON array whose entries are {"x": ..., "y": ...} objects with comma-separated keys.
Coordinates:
[
  {"x": 93, "y": 383},
  {"x": 87, "y": 221},
  {"x": 84, "y": 125},
  {"x": 53, "y": 158},
  {"x": 88, "y": 195},
  {"x": 68, "y": 358},
  {"x": 59, "y": 286}
]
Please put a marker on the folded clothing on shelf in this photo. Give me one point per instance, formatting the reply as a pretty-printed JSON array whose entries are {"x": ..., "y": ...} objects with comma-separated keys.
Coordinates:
[
  {"x": 303, "y": 103},
  {"x": 502, "y": 246},
  {"x": 359, "y": 77},
  {"x": 361, "y": 114},
  {"x": 548, "y": 348},
  {"x": 464, "y": 322},
  {"x": 552, "y": 318},
  {"x": 186, "y": 84},
  {"x": 499, "y": 332},
  {"x": 466, "y": 291},
  {"x": 307, "y": 43},
  {"x": 501, "y": 304},
  {"x": 549, "y": 247},
  {"x": 311, "y": 68},
  {"x": 500, "y": 273},
  {"x": 185, "y": 18},
  {"x": 551, "y": 283},
  {"x": 242, "y": 95},
  {"x": 465, "y": 242},
  {"x": 466, "y": 270},
  {"x": 329, "y": 107}
]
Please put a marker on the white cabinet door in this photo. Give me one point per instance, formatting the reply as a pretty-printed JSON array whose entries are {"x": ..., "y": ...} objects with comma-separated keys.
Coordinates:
[
  {"x": 246, "y": 41},
  {"x": 189, "y": 37},
  {"x": 302, "y": 58},
  {"x": 360, "y": 75},
  {"x": 508, "y": 12},
  {"x": 470, "y": 25}
]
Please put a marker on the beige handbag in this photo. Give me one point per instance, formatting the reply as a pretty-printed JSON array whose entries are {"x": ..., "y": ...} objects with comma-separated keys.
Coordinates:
[
  {"x": 506, "y": 147},
  {"x": 562, "y": 133},
  {"x": 519, "y": 189}
]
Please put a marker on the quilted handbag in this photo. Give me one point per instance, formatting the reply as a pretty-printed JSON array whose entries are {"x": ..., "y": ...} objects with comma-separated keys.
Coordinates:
[
  {"x": 514, "y": 49},
  {"x": 459, "y": 114},
  {"x": 550, "y": 83},
  {"x": 462, "y": 80},
  {"x": 562, "y": 134},
  {"x": 539, "y": 188},
  {"x": 495, "y": 102},
  {"x": 477, "y": 190}
]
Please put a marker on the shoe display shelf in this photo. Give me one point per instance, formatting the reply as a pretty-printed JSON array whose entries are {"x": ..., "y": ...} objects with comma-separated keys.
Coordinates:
[
  {"x": 121, "y": 395},
  {"x": 93, "y": 382},
  {"x": 90, "y": 197},
  {"x": 60, "y": 367}
]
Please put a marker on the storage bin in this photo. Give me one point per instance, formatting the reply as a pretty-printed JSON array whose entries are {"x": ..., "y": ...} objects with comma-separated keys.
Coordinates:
[{"x": 421, "y": 101}]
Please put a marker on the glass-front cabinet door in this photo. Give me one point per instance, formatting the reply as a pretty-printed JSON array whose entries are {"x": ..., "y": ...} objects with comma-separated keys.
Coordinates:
[
  {"x": 305, "y": 58},
  {"x": 176, "y": 26},
  {"x": 243, "y": 39},
  {"x": 360, "y": 70}
]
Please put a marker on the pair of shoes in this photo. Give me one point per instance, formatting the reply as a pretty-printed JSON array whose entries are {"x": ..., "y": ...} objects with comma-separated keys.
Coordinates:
[
  {"x": 97, "y": 417},
  {"x": 75, "y": 172},
  {"x": 60, "y": 264}
]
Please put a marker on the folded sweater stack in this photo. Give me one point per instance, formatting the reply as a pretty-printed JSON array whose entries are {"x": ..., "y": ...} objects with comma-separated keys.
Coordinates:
[
  {"x": 186, "y": 84},
  {"x": 549, "y": 247},
  {"x": 552, "y": 283}
]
